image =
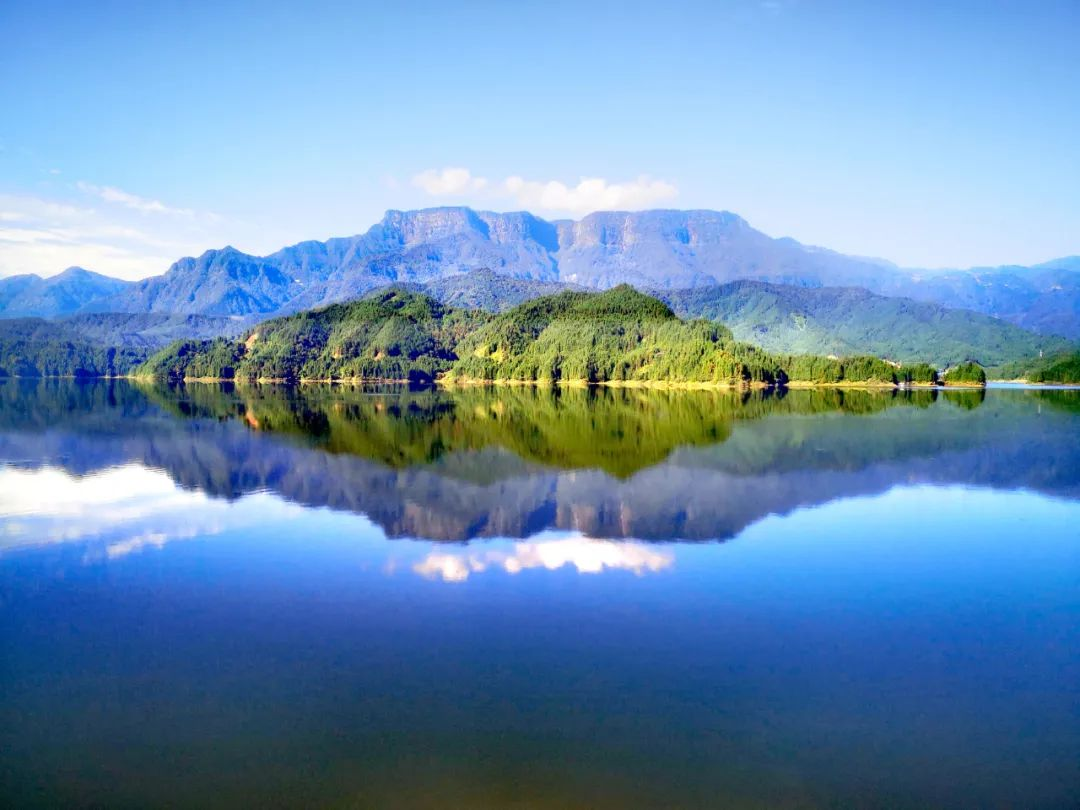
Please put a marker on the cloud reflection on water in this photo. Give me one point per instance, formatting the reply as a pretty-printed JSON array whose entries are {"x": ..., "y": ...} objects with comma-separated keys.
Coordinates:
[
  {"x": 119, "y": 511},
  {"x": 587, "y": 555}
]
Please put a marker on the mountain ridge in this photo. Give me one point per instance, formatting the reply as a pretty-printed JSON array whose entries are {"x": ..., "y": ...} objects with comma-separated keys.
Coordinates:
[{"x": 661, "y": 249}]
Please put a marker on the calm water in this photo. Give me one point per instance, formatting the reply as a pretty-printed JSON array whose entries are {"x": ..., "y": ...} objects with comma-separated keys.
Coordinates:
[{"x": 351, "y": 598}]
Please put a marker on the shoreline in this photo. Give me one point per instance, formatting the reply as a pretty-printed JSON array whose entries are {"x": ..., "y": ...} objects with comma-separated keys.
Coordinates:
[{"x": 460, "y": 382}]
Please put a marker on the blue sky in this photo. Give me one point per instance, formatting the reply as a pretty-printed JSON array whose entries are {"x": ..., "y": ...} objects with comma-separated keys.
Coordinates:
[{"x": 936, "y": 134}]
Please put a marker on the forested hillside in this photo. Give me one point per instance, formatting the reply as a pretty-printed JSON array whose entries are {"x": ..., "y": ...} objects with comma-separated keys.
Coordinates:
[
  {"x": 32, "y": 347},
  {"x": 619, "y": 336},
  {"x": 847, "y": 320},
  {"x": 392, "y": 335},
  {"x": 624, "y": 336}
]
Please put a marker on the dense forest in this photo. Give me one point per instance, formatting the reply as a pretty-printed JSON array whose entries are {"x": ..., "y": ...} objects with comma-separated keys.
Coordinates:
[
  {"x": 620, "y": 336},
  {"x": 965, "y": 374},
  {"x": 1064, "y": 369},
  {"x": 32, "y": 347},
  {"x": 95, "y": 345},
  {"x": 393, "y": 335},
  {"x": 624, "y": 336}
]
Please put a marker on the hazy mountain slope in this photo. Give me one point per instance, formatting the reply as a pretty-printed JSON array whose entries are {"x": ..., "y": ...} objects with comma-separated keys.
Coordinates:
[
  {"x": 219, "y": 282},
  {"x": 843, "y": 321},
  {"x": 152, "y": 330},
  {"x": 62, "y": 294},
  {"x": 1044, "y": 299},
  {"x": 485, "y": 289},
  {"x": 680, "y": 249}
]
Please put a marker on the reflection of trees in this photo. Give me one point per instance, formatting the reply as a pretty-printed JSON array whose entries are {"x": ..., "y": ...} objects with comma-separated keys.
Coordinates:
[
  {"x": 968, "y": 399},
  {"x": 453, "y": 465},
  {"x": 617, "y": 430}
]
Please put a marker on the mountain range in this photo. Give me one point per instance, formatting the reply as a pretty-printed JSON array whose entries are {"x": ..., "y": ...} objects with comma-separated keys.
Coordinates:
[
  {"x": 660, "y": 250},
  {"x": 74, "y": 290}
]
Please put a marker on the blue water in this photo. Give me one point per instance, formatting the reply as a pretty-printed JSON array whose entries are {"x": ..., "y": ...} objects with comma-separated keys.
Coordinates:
[{"x": 813, "y": 603}]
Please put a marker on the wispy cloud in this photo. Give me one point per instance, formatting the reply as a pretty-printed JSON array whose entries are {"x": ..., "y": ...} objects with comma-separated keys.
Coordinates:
[
  {"x": 111, "y": 194},
  {"x": 44, "y": 236},
  {"x": 589, "y": 194}
]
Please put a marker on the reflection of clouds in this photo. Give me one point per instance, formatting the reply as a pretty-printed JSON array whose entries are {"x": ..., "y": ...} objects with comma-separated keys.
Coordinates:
[
  {"x": 588, "y": 556},
  {"x": 126, "y": 509}
]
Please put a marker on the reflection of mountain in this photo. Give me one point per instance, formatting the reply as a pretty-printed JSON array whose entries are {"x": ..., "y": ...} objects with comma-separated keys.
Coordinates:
[{"x": 513, "y": 462}]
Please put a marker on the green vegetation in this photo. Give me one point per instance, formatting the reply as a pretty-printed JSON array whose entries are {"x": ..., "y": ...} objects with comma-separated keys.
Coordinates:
[
  {"x": 393, "y": 335},
  {"x": 860, "y": 369},
  {"x": 1058, "y": 367},
  {"x": 969, "y": 399},
  {"x": 31, "y": 347},
  {"x": 846, "y": 320},
  {"x": 617, "y": 337},
  {"x": 567, "y": 428},
  {"x": 1064, "y": 370},
  {"x": 965, "y": 374}
]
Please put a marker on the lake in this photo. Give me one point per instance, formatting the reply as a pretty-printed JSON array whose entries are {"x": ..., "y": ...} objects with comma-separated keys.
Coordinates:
[{"x": 518, "y": 597}]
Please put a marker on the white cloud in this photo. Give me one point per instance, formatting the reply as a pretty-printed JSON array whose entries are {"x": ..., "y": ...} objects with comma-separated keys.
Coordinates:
[
  {"x": 587, "y": 555},
  {"x": 448, "y": 181},
  {"x": 590, "y": 193},
  {"x": 121, "y": 238},
  {"x": 111, "y": 194},
  {"x": 118, "y": 511}
]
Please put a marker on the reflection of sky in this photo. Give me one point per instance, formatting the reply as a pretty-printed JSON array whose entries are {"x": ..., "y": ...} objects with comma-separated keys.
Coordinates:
[
  {"x": 115, "y": 513},
  {"x": 123, "y": 509},
  {"x": 586, "y": 555},
  {"x": 940, "y": 624}
]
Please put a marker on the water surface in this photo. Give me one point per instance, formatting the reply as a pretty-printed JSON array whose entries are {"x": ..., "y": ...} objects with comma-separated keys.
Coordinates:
[{"x": 520, "y": 597}]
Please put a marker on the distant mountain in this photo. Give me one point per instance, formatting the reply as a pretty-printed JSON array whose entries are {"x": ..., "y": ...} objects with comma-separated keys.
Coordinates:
[
  {"x": 1044, "y": 298},
  {"x": 843, "y": 321},
  {"x": 664, "y": 250},
  {"x": 219, "y": 282},
  {"x": 75, "y": 288}
]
